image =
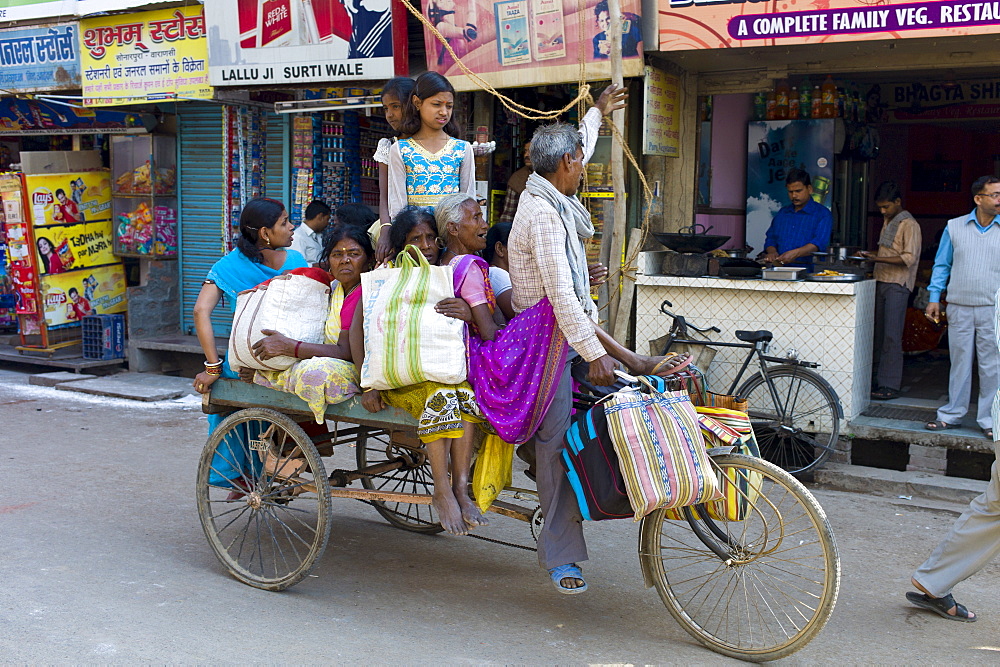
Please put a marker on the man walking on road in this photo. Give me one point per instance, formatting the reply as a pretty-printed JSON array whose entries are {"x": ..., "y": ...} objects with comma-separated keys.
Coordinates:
[
  {"x": 968, "y": 265},
  {"x": 895, "y": 275},
  {"x": 548, "y": 260},
  {"x": 973, "y": 542}
]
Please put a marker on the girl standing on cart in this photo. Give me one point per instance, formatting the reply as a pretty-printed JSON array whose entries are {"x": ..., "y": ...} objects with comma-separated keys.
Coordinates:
[{"x": 430, "y": 162}]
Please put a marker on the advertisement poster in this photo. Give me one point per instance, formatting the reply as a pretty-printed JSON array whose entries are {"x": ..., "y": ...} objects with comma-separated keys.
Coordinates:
[
  {"x": 19, "y": 10},
  {"x": 64, "y": 248},
  {"x": 69, "y": 297},
  {"x": 62, "y": 199},
  {"x": 661, "y": 122},
  {"x": 264, "y": 42},
  {"x": 131, "y": 58},
  {"x": 711, "y": 24},
  {"x": 39, "y": 59},
  {"x": 529, "y": 42},
  {"x": 774, "y": 147}
]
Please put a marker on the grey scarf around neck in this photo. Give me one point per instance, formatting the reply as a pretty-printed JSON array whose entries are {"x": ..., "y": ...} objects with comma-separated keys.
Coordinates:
[
  {"x": 888, "y": 235},
  {"x": 576, "y": 220}
]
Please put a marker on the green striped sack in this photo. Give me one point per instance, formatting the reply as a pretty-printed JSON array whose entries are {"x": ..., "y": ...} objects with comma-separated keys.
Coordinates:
[
  {"x": 406, "y": 341},
  {"x": 660, "y": 447}
]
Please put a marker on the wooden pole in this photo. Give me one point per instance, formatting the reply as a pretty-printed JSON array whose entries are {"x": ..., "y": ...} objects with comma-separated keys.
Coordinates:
[{"x": 617, "y": 169}]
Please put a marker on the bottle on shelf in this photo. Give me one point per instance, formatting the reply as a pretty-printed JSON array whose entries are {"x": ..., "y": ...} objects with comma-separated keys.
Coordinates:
[
  {"x": 781, "y": 100},
  {"x": 805, "y": 99},
  {"x": 817, "y": 103},
  {"x": 793, "y": 103},
  {"x": 828, "y": 106},
  {"x": 771, "y": 106},
  {"x": 759, "y": 106},
  {"x": 841, "y": 111}
]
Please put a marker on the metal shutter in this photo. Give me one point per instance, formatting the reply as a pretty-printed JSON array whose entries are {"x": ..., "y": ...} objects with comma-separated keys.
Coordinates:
[
  {"x": 201, "y": 190},
  {"x": 277, "y": 182}
]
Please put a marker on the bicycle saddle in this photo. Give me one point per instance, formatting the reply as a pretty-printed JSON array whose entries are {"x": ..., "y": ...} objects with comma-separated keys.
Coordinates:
[{"x": 754, "y": 336}]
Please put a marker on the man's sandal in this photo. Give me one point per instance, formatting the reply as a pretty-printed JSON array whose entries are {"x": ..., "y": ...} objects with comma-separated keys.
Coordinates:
[
  {"x": 940, "y": 606},
  {"x": 939, "y": 425},
  {"x": 568, "y": 571}
]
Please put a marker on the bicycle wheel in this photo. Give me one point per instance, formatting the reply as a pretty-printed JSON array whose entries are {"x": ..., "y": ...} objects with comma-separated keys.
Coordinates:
[
  {"x": 271, "y": 522},
  {"x": 756, "y": 588},
  {"x": 413, "y": 476},
  {"x": 799, "y": 431}
]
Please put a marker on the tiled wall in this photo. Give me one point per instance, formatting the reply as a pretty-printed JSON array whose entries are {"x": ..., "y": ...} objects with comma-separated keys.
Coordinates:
[{"x": 829, "y": 323}]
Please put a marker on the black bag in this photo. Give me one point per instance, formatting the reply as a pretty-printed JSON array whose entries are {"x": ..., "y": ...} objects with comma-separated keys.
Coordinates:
[{"x": 592, "y": 468}]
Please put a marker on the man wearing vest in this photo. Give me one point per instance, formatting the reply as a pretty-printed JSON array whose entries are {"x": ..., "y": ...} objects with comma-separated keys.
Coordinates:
[{"x": 968, "y": 265}]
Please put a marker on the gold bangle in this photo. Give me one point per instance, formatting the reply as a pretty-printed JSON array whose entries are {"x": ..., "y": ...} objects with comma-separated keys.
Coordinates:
[{"x": 214, "y": 371}]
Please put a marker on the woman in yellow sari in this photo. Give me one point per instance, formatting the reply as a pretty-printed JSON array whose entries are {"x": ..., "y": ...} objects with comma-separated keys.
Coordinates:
[{"x": 326, "y": 374}]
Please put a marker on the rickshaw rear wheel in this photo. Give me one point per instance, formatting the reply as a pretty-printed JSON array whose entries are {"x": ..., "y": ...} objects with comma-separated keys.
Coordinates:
[
  {"x": 412, "y": 476},
  {"x": 754, "y": 581},
  {"x": 269, "y": 521}
]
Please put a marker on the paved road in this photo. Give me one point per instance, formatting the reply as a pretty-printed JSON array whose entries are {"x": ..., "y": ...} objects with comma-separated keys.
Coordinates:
[{"x": 103, "y": 561}]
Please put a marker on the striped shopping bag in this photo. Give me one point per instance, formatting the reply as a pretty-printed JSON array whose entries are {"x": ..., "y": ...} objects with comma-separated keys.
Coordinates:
[
  {"x": 406, "y": 340},
  {"x": 740, "y": 487},
  {"x": 660, "y": 447}
]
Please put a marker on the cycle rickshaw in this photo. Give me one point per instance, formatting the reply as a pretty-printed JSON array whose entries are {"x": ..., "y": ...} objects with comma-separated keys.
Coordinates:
[{"x": 758, "y": 586}]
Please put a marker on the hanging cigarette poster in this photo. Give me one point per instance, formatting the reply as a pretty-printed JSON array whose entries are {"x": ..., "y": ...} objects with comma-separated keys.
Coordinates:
[
  {"x": 62, "y": 199},
  {"x": 263, "y": 42},
  {"x": 145, "y": 57},
  {"x": 69, "y": 297},
  {"x": 547, "y": 32},
  {"x": 661, "y": 122},
  {"x": 529, "y": 42},
  {"x": 63, "y": 248}
]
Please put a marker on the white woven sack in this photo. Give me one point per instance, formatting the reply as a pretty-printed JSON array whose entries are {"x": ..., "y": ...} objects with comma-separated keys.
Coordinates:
[
  {"x": 296, "y": 306},
  {"x": 406, "y": 341}
]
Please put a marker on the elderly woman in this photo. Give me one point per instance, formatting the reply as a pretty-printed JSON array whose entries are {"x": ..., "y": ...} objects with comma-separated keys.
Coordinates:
[
  {"x": 447, "y": 415},
  {"x": 509, "y": 369},
  {"x": 326, "y": 375}
]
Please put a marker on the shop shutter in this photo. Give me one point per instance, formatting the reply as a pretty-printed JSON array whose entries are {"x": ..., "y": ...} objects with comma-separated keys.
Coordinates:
[
  {"x": 277, "y": 182},
  {"x": 201, "y": 181}
]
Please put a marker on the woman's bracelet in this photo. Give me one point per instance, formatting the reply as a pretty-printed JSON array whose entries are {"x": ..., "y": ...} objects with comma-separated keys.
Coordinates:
[
  {"x": 216, "y": 364},
  {"x": 213, "y": 370},
  {"x": 385, "y": 224},
  {"x": 296, "y": 352}
]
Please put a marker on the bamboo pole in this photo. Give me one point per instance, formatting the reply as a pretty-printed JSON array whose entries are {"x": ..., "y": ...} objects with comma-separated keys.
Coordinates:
[{"x": 617, "y": 236}]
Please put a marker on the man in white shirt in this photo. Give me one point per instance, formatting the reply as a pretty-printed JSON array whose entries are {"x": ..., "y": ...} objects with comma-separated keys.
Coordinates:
[{"x": 308, "y": 238}]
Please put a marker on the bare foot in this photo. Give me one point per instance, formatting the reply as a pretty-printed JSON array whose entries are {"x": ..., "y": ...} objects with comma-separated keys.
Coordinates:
[
  {"x": 661, "y": 366},
  {"x": 449, "y": 513},
  {"x": 471, "y": 513}
]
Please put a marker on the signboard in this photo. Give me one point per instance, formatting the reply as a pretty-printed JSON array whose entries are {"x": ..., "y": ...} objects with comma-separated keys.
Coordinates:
[
  {"x": 19, "y": 10},
  {"x": 25, "y": 117},
  {"x": 715, "y": 24},
  {"x": 268, "y": 42},
  {"x": 39, "y": 59},
  {"x": 66, "y": 248},
  {"x": 131, "y": 58},
  {"x": 529, "y": 42},
  {"x": 69, "y": 297},
  {"x": 62, "y": 199},
  {"x": 661, "y": 122}
]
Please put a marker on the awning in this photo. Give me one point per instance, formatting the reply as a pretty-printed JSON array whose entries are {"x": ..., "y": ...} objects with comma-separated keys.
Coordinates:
[{"x": 20, "y": 117}]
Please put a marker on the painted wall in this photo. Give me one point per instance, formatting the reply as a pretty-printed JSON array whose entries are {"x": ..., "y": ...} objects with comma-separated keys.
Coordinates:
[{"x": 730, "y": 115}]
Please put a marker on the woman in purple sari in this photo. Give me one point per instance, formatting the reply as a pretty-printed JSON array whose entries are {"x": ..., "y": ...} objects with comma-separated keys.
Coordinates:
[{"x": 510, "y": 367}]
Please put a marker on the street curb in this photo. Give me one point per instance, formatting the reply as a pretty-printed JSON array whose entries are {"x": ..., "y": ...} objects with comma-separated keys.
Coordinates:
[{"x": 881, "y": 482}]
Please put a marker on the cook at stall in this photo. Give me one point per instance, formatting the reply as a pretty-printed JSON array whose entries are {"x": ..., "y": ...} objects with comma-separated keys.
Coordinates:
[{"x": 799, "y": 229}]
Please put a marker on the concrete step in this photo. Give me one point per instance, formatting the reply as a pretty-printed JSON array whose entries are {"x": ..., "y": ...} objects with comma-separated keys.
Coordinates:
[
  {"x": 893, "y": 483},
  {"x": 133, "y": 386},
  {"x": 969, "y": 437}
]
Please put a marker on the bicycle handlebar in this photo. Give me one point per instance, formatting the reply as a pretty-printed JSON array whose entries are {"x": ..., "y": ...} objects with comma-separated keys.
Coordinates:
[{"x": 663, "y": 309}]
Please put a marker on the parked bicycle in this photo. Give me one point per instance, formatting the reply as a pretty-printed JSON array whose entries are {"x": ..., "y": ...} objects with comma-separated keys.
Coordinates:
[{"x": 795, "y": 412}]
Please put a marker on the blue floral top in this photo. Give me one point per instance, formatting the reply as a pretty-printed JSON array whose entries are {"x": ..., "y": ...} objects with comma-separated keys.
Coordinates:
[{"x": 431, "y": 176}]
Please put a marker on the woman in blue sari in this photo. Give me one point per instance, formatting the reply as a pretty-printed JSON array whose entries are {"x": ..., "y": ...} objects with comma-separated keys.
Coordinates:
[{"x": 261, "y": 253}]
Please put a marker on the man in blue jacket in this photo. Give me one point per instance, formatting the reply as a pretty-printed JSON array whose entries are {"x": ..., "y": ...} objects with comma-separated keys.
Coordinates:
[{"x": 799, "y": 229}]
